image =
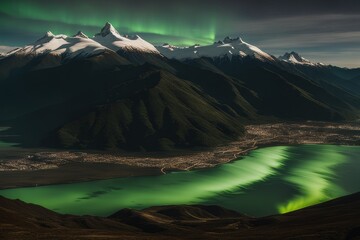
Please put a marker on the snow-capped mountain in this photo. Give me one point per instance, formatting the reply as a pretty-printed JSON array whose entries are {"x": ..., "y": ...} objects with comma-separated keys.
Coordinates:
[
  {"x": 62, "y": 44},
  {"x": 81, "y": 45},
  {"x": 228, "y": 47},
  {"x": 110, "y": 38},
  {"x": 295, "y": 58},
  {"x": 81, "y": 34},
  {"x": 128, "y": 91}
]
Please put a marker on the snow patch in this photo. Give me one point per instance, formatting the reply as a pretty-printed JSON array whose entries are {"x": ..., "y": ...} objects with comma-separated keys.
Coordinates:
[
  {"x": 295, "y": 58},
  {"x": 109, "y": 39},
  {"x": 228, "y": 47}
]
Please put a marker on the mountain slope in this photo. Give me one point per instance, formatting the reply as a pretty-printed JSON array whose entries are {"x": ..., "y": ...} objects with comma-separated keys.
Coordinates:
[
  {"x": 79, "y": 45},
  {"x": 111, "y": 38},
  {"x": 280, "y": 93},
  {"x": 53, "y": 51},
  {"x": 88, "y": 104},
  {"x": 161, "y": 112},
  {"x": 76, "y": 92},
  {"x": 295, "y": 58},
  {"x": 97, "y": 103},
  {"x": 133, "y": 48},
  {"x": 325, "y": 75},
  {"x": 335, "y": 219},
  {"x": 228, "y": 47}
]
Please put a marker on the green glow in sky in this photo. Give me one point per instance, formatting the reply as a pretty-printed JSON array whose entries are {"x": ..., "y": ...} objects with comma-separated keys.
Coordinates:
[
  {"x": 67, "y": 19},
  {"x": 275, "y": 27}
]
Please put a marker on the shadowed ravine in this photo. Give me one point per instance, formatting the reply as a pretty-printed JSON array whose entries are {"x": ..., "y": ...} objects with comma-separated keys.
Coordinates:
[{"x": 267, "y": 181}]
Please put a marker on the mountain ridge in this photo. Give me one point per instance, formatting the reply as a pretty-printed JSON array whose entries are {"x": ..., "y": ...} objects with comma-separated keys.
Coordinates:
[
  {"x": 335, "y": 219},
  {"x": 295, "y": 58},
  {"x": 108, "y": 39},
  {"x": 87, "y": 95},
  {"x": 227, "y": 47}
]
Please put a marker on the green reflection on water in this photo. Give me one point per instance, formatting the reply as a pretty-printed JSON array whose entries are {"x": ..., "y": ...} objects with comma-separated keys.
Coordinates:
[
  {"x": 104, "y": 197},
  {"x": 315, "y": 179},
  {"x": 267, "y": 181},
  {"x": 5, "y": 144}
]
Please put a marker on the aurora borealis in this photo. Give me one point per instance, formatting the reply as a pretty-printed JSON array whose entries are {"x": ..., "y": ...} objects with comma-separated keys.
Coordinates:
[
  {"x": 267, "y": 181},
  {"x": 70, "y": 17},
  {"x": 326, "y": 32}
]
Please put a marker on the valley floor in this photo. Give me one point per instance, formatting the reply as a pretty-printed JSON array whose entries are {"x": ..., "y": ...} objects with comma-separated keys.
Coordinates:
[{"x": 27, "y": 167}]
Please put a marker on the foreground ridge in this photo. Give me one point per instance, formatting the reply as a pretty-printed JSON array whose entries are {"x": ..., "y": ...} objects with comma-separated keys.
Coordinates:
[{"x": 338, "y": 219}]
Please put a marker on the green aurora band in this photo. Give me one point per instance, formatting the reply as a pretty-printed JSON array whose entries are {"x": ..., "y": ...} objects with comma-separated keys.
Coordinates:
[
  {"x": 267, "y": 181},
  {"x": 67, "y": 19},
  {"x": 315, "y": 179}
]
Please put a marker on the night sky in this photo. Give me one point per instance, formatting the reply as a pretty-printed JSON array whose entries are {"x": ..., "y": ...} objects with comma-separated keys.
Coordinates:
[{"x": 320, "y": 30}]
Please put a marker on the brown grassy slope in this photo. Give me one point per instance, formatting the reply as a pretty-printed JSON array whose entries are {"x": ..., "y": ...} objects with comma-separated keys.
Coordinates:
[{"x": 336, "y": 219}]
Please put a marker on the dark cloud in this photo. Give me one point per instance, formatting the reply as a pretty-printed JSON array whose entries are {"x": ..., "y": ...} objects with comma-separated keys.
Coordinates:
[{"x": 281, "y": 8}]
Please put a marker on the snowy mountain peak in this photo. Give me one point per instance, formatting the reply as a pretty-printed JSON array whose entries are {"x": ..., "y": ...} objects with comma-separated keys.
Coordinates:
[
  {"x": 294, "y": 57},
  {"x": 81, "y": 35},
  {"x": 133, "y": 37},
  {"x": 111, "y": 39},
  {"x": 108, "y": 29},
  {"x": 229, "y": 47},
  {"x": 49, "y": 34},
  {"x": 232, "y": 40},
  {"x": 46, "y": 38}
]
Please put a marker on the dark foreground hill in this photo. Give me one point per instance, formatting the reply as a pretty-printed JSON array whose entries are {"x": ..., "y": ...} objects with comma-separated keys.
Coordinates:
[{"x": 336, "y": 219}]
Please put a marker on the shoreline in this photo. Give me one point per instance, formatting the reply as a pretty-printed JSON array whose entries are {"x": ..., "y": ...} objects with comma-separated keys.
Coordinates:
[{"x": 28, "y": 167}]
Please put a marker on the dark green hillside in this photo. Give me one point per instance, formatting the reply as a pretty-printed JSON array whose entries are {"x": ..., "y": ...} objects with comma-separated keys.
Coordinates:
[
  {"x": 169, "y": 113},
  {"x": 286, "y": 95},
  {"x": 88, "y": 104},
  {"x": 333, "y": 79},
  {"x": 104, "y": 102}
]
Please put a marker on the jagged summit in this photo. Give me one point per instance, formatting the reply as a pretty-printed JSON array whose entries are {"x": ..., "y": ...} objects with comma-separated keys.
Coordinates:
[
  {"x": 294, "y": 57},
  {"x": 108, "y": 29},
  {"x": 49, "y": 34},
  {"x": 80, "y": 44},
  {"x": 133, "y": 37},
  {"x": 110, "y": 38},
  {"x": 81, "y": 35},
  {"x": 231, "y": 40},
  {"x": 229, "y": 47},
  {"x": 48, "y": 37}
]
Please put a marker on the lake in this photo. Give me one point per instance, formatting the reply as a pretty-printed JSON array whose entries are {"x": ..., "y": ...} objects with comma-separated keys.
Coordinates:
[
  {"x": 6, "y": 144},
  {"x": 267, "y": 181}
]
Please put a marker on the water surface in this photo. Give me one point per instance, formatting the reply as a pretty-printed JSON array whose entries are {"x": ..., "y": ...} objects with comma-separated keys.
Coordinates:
[
  {"x": 267, "y": 181},
  {"x": 5, "y": 143}
]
